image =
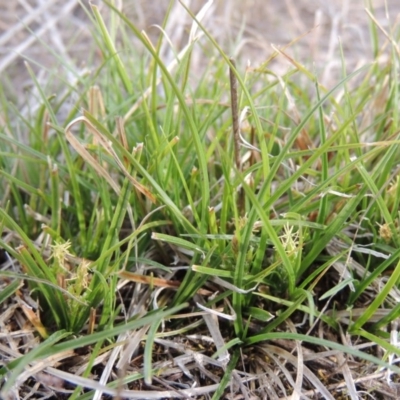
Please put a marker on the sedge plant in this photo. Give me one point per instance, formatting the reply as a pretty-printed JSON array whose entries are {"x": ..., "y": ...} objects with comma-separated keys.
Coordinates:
[{"x": 172, "y": 200}]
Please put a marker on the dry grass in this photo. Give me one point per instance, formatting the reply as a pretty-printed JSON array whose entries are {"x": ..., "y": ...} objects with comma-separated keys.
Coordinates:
[{"x": 245, "y": 28}]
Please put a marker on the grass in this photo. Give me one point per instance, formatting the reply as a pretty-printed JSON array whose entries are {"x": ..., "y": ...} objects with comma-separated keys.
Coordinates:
[{"x": 160, "y": 242}]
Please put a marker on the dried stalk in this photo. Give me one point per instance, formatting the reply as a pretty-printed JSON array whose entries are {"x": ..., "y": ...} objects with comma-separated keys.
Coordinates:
[{"x": 236, "y": 132}]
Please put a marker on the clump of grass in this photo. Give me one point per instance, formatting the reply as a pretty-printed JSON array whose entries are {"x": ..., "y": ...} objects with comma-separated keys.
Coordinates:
[{"x": 139, "y": 226}]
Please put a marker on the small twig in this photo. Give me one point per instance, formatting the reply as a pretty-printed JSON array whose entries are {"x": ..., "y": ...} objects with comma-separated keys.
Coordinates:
[
  {"x": 157, "y": 282},
  {"x": 236, "y": 131}
]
